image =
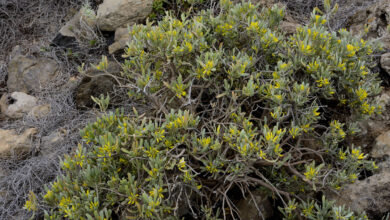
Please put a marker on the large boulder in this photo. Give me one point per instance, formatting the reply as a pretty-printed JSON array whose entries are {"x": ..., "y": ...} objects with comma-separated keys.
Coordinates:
[
  {"x": 30, "y": 74},
  {"x": 96, "y": 83},
  {"x": 13, "y": 144},
  {"x": 112, "y": 14}
]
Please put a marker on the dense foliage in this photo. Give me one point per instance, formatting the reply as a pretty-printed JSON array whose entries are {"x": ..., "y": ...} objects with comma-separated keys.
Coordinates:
[{"x": 235, "y": 104}]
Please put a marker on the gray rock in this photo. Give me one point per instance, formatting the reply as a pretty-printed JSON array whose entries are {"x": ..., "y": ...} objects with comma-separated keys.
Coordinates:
[
  {"x": 29, "y": 74},
  {"x": 112, "y": 14},
  {"x": 377, "y": 17},
  {"x": 382, "y": 146},
  {"x": 370, "y": 195},
  {"x": 78, "y": 23},
  {"x": 385, "y": 62}
]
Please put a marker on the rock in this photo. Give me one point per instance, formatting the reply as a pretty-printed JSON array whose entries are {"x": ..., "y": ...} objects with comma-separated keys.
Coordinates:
[
  {"x": 122, "y": 37},
  {"x": 112, "y": 14},
  {"x": 40, "y": 111},
  {"x": 80, "y": 27},
  {"x": 17, "y": 104},
  {"x": 95, "y": 85},
  {"x": 377, "y": 17},
  {"x": 382, "y": 146},
  {"x": 49, "y": 143},
  {"x": 12, "y": 144},
  {"x": 29, "y": 74},
  {"x": 248, "y": 210},
  {"x": 385, "y": 62},
  {"x": 289, "y": 27},
  {"x": 371, "y": 195}
]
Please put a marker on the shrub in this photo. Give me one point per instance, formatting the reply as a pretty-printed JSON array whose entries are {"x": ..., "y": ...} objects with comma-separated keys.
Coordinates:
[{"x": 235, "y": 104}]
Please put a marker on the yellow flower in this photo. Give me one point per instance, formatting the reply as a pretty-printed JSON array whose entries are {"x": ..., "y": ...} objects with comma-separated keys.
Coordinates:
[
  {"x": 361, "y": 93},
  {"x": 262, "y": 154},
  {"x": 189, "y": 46},
  {"x": 311, "y": 173},
  {"x": 283, "y": 66},
  {"x": 342, "y": 155},
  {"x": 357, "y": 154},
  {"x": 294, "y": 131},
  {"x": 322, "y": 82},
  {"x": 350, "y": 47},
  {"x": 315, "y": 113},
  {"x": 182, "y": 164},
  {"x": 132, "y": 198}
]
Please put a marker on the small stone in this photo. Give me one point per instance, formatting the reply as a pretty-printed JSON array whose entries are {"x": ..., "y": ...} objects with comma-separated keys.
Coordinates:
[
  {"x": 12, "y": 144},
  {"x": 17, "y": 104},
  {"x": 112, "y": 14}
]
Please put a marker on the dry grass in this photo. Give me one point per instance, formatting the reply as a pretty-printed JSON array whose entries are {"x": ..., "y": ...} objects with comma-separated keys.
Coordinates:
[{"x": 301, "y": 9}]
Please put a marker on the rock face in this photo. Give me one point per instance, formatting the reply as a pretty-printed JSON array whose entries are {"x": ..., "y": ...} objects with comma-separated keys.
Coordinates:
[
  {"x": 95, "y": 85},
  {"x": 122, "y": 36},
  {"x": 29, "y": 74},
  {"x": 385, "y": 62},
  {"x": 248, "y": 210},
  {"x": 12, "y": 144},
  {"x": 17, "y": 104},
  {"x": 370, "y": 195},
  {"x": 377, "y": 18},
  {"x": 112, "y": 14}
]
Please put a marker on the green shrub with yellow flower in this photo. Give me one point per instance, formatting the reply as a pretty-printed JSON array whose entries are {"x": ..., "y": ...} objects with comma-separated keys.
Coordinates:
[{"x": 235, "y": 104}]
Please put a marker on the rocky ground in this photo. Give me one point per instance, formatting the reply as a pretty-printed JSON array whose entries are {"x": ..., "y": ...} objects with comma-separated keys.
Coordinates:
[{"x": 45, "y": 100}]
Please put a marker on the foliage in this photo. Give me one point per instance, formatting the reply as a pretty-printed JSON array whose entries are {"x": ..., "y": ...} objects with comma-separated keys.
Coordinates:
[
  {"x": 160, "y": 7},
  {"x": 235, "y": 103},
  {"x": 314, "y": 211}
]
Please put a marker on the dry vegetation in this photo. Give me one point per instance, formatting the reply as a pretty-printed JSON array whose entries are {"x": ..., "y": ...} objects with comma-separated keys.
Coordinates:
[{"x": 33, "y": 24}]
